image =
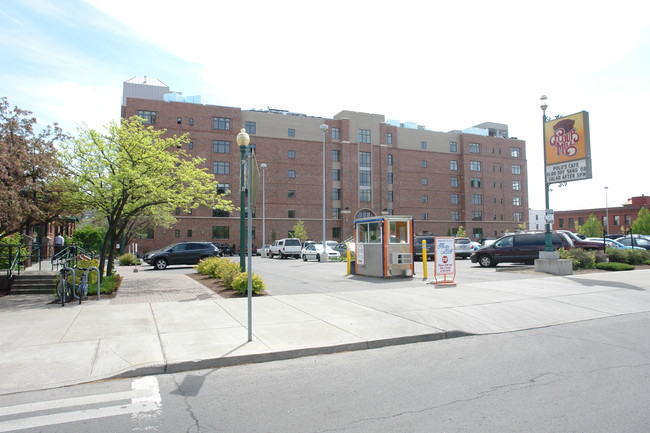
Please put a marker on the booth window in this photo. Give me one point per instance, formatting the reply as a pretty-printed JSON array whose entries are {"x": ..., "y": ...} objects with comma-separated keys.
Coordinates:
[
  {"x": 399, "y": 232},
  {"x": 369, "y": 233}
]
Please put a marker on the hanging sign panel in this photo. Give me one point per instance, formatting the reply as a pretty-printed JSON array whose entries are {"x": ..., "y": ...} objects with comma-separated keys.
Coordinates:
[{"x": 567, "y": 151}]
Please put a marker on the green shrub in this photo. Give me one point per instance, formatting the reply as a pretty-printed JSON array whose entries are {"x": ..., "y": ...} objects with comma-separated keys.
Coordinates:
[
  {"x": 127, "y": 259},
  {"x": 240, "y": 283},
  {"x": 614, "y": 266},
  {"x": 208, "y": 266},
  {"x": 92, "y": 275},
  {"x": 581, "y": 259},
  {"x": 629, "y": 256},
  {"x": 227, "y": 270}
]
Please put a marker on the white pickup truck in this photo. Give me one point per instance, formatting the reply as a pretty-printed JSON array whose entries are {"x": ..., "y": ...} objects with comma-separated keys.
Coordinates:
[{"x": 288, "y": 247}]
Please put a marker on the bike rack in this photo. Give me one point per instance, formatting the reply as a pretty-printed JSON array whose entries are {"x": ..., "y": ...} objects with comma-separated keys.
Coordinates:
[{"x": 74, "y": 279}]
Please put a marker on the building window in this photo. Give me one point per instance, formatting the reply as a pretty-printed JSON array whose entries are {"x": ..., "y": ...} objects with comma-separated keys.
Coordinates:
[
  {"x": 454, "y": 182},
  {"x": 291, "y": 132},
  {"x": 516, "y": 185},
  {"x": 336, "y": 213},
  {"x": 628, "y": 220},
  {"x": 220, "y": 232},
  {"x": 336, "y": 232},
  {"x": 221, "y": 123},
  {"x": 336, "y": 134},
  {"x": 177, "y": 211},
  {"x": 453, "y": 146},
  {"x": 251, "y": 127},
  {"x": 179, "y": 120},
  {"x": 475, "y": 182},
  {"x": 425, "y": 199},
  {"x": 570, "y": 222},
  {"x": 389, "y": 178},
  {"x": 223, "y": 188},
  {"x": 364, "y": 136},
  {"x": 336, "y": 156},
  {"x": 390, "y": 196},
  {"x": 390, "y": 160},
  {"x": 364, "y": 178},
  {"x": 389, "y": 138},
  {"x": 189, "y": 233},
  {"x": 148, "y": 117},
  {"x": 191, "y": 121},
  {"x": 291, "y": 193},
  {"x": 423, "y": 144},
  {"x": 581, "y": 220},
  {"x": 453, "y": 165},
  {"x": 474, "y": 148},
  {"x": 218, "y": 213},
  {"x": 336, "y": 194},
  {"x": 291, "y": 213},
  {"x": 516, "y": 169},
  {"x": 424, "y": 181},
  {"x": 291, "y": 174},
  {"x": 454, "y": 199},
  {"x": 291, "y": 154},
  {"x": 561, "y": 222},
  {"x": 221, "y": 167},
  {"x": 477, "y": 199},
  {"x": 425, "y": 216},
  {"x": 424, "y": 164},
  {"x": 475, "y": 165},
  {"x": 516, "y": 201},
  {"x": 364, "y": 195},
  {"x": 518, "y": 217},
  {"x": 364, "y": 159},
  {"x": 454, "y": 215},
  {"x": 190, "y": 145},
  {"x": 336, "y": 174},
  {"x": 220, "y": 146},
  {"x": 477, "y": 216},
  {"x": 617, "y": 220},
  {"x": 514, "y": 152}
]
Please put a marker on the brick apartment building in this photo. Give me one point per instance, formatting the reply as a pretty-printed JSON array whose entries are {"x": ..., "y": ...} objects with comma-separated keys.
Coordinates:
[
  {"x": 619, "y": 216},
  {"x": 476, "y": 178}
]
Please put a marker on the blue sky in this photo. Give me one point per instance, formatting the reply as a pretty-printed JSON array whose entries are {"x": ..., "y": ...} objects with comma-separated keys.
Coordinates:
[{"x": 445, "y": 66}]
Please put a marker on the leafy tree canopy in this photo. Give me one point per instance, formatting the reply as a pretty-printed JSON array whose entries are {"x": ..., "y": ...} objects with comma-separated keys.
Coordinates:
[
  {"x": 31, "y": 185},
  {"x": 299, "y": 231},
  {"x": 591, "y": 228},
  {"x": 642, "y": 223},
  {"x": 134, "y": 173}
]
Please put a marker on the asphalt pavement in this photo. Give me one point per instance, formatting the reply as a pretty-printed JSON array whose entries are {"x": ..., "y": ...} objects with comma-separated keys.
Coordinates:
[{"x": 165, "y": 321}]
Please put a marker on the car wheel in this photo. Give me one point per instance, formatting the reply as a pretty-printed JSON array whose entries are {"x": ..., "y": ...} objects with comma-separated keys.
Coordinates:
[
  {"x": 304, "y": 258},
  {"x": 160, "y": 264},
  {"x": 485, "y": 261},
  {"x": 318, "y": 257}
]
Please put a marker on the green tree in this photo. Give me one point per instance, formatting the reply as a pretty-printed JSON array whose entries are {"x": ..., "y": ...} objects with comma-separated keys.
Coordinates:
[
  {"x": 591, "y": 228},
  {"x": 134, "y": 175},
  {"x": 299, "y": 231},
  {"x": 461, "y": 233},
  {"x": 89, "y": 237},
  {"x": 642, "y": 223},
  {"x": 31, "y": 185}
]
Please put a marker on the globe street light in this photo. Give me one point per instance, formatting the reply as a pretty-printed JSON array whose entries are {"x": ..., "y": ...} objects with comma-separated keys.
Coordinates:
[
  {"x": 323, "y": 257},
  {"x": 263, "y": 165},
  {"x": 548, "y": 244},
  {"x": 243, "y": 139}
]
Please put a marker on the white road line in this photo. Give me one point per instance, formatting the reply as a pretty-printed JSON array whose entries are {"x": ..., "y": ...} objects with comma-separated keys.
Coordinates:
[{"x": 144, "y": 396}]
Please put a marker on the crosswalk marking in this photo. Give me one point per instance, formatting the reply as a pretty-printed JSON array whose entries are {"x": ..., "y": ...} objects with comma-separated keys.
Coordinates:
[{"x": 144, "y": 397}]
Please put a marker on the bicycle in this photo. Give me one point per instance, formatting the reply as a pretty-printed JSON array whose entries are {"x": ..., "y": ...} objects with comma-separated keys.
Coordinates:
[
  {"x": 63, "y": 287},
  {"x": 81, "y": 291}
]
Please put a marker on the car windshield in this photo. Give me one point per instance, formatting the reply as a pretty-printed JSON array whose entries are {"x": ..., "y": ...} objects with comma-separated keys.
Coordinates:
[{"x": 292, "y": 242}]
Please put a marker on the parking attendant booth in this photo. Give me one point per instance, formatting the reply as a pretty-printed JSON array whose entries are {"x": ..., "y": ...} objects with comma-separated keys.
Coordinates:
[{"x": 384, "y": 246}]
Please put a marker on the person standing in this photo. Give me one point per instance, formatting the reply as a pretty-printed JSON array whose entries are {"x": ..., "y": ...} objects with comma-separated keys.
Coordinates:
[{"x": 58, "y": 243}]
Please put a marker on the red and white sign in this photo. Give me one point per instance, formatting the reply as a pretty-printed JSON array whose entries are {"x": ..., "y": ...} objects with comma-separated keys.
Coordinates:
[{"x": 445, "y": 258}]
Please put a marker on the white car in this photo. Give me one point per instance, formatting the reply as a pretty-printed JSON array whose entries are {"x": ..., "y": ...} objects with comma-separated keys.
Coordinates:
[{"x": 314, "y": 251}]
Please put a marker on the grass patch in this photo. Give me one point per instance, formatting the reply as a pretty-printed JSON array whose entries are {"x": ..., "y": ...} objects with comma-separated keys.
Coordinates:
[
  {"x": 614, "y": 266},
  {"x": 108, "y": 285}
]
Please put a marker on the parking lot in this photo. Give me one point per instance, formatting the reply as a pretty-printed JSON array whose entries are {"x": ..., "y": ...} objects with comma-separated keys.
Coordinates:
[{"x": 293, "y": 276}]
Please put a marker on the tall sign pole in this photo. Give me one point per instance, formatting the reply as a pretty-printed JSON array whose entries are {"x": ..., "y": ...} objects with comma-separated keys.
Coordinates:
[{"x": 548, "y": 243}]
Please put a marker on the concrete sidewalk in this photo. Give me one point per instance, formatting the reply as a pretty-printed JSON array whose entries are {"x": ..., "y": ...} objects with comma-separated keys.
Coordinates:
[{"x": 167, "y": 322}]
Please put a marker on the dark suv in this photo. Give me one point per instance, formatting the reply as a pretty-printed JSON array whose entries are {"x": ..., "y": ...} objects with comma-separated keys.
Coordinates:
[
  {"x": 417, "y": 246},
  {"x": 184, "y": 253},
  {"x": 518, "y": 248}
]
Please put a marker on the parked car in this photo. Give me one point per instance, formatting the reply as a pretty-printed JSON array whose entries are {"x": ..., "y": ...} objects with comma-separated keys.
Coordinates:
[
  {"x": 638, "y": 242},
  {"x": 183, "y": 253},
  {"x": 417, "y": 246},
  {"x": 518, "y": 248},
  {"x": 611, "y": 243},
  {"x": 315, "y": 251},
  {"x": 287, "y": 247},
  {"x": 224, "y": 248},
  {"x": 264, "y": 251},
  {"x": 253, "y": 249},
  {"x": 582, "y": 243},
  {"x": 464, "y": 247}
]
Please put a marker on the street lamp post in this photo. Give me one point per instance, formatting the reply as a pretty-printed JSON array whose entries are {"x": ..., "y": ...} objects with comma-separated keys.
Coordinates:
[
  {"x": 323, "y": 257},
  {"x": 606, "y": 213},
  {"x": 263, "y": 165},
  {"x": 243, "y": 139},
  {"x": 548, "y": 244}
]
